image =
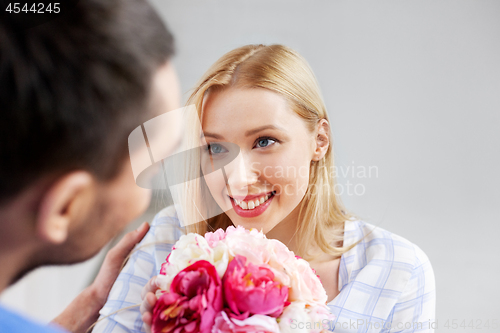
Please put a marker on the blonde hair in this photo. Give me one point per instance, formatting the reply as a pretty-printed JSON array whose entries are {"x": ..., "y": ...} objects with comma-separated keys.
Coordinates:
[{"x": 282, "y": 70}]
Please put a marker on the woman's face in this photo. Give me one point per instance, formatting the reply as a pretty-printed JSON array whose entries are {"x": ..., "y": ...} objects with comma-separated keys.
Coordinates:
[{"x": 270, "y": 175}]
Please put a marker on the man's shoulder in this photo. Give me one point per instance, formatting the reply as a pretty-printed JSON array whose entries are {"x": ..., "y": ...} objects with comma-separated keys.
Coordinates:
[{"x": 11, "y": 322}]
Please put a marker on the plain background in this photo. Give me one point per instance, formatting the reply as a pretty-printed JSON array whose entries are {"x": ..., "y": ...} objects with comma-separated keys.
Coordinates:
[{"x": 413, "y": 91}]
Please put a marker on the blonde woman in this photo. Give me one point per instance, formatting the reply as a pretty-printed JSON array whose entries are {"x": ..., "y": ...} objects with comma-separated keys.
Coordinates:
[{"x": 268, "y": 164}]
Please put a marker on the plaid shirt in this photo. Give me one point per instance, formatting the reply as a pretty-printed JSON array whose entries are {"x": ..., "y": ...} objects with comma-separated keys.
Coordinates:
[{"x": 386, "y": 283}]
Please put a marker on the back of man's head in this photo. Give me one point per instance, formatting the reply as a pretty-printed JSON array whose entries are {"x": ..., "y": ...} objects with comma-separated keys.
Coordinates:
[{"x": 72, "y": 90}]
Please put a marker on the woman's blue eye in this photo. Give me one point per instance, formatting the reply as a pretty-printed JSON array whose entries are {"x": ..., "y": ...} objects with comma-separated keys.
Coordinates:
[
  {"x": 264, "y": 142},
  {"x": 216, "y": 149}
]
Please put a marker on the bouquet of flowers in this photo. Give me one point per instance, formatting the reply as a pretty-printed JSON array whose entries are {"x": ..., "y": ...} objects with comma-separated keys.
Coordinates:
[{"x": 237, "y": 281}]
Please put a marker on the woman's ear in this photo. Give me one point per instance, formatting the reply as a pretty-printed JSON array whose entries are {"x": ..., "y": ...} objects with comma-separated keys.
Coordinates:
[
  {"x": 322, "y": 140},
  {"x": 62, "y": 204}
]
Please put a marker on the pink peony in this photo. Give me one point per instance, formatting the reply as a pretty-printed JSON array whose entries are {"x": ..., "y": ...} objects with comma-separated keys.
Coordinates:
[
  {"x": 251, "y": 289},
  {"x": 250, "y": 244},
  {"x": 253, "y": 324},
  {"x": 194, "y": 300},
  {"x": 163, "y": 269},
  {"x": 215, "y": 237}
]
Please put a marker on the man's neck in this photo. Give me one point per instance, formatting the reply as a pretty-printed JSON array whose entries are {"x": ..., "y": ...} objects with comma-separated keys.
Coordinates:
[
  {"x": 14, "y": 266},
  {"x": 17, "y": 242}
]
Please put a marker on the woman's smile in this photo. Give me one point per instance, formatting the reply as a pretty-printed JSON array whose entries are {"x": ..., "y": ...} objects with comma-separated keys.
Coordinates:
[{"x": 252, "y": 206}]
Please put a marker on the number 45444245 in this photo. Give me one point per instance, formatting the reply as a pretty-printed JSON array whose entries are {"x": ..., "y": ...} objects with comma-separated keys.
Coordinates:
[
  {"x": 35, "y": 8},
  {"x": 471, "y": 324}
]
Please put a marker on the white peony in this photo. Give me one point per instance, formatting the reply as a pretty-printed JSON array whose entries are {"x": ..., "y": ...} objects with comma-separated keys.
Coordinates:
[
  {"x": 299, "y": 317},
  {"x": 305, "y": 285},
  {"x": 189, "y": 249}
]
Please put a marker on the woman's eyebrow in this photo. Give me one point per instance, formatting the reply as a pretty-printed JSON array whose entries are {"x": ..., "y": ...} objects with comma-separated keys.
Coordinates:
[
  {"x": 247, "y": 133},
  {"x": 261, "y": 128},
  {"x": 213, "y": 135}
]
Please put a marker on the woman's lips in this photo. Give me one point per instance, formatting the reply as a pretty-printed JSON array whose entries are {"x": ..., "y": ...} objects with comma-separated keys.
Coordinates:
[{"x": 255, "y": 211}]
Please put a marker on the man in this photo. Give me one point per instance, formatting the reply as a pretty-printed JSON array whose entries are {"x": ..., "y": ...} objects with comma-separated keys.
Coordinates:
[{"x": 71, "y": 91}]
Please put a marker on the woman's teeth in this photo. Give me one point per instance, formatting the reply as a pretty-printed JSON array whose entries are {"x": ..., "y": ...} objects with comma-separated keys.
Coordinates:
[{"x": 251, "y": 204}]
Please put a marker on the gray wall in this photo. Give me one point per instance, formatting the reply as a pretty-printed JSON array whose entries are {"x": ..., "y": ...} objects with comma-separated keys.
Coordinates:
[{"x": 412, "y": 89}]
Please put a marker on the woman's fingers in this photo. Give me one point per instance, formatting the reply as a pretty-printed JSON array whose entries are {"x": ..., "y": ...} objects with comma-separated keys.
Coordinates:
[
  {"x": 148, "y": 303},
  {"x": 147, "y": 318},
  {"x": 149, "y": 287},
  {"x": 147, "y": 306}
]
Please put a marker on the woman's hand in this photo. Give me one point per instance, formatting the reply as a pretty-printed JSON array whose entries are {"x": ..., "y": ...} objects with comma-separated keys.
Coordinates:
[
  {"x": 149, "y": 299},
  {"x": 84, "y": 309}
]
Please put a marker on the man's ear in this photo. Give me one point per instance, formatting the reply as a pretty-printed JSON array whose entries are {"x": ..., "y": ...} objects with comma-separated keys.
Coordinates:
[
  {"x": 61, "y": 204},
  {"x": 322, "y": 140}
]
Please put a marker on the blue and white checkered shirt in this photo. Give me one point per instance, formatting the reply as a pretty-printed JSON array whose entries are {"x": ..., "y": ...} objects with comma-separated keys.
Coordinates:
[{"x": 386, "y": 283}]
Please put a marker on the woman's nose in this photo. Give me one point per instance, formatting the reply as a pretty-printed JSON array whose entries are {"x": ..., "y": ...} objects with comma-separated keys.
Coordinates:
[{"x": 241, "y": 174}]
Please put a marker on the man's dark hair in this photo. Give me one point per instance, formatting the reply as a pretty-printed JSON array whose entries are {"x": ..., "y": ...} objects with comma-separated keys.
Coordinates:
[{"x": 72, "y": 89}]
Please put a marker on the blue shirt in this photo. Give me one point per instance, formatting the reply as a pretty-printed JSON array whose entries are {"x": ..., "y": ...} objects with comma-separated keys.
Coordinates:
[
  {"x": 386, "y": 283},
  {"x": 11, "y": 322}
]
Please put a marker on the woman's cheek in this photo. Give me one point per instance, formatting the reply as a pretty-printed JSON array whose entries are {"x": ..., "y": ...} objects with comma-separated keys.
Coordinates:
[{"x": 215, "y": 183}]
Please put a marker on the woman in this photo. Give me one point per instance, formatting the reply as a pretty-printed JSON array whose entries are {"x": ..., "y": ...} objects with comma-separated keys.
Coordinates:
[{"x": 268, "y": 164}]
